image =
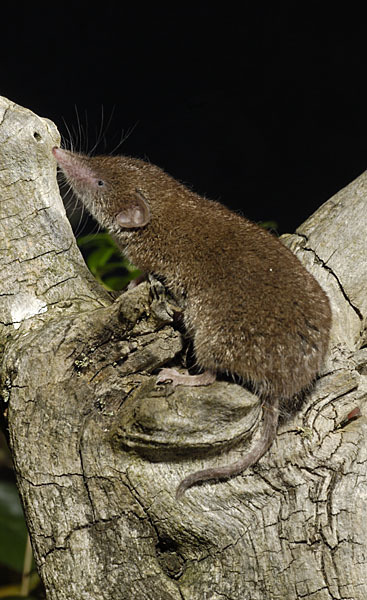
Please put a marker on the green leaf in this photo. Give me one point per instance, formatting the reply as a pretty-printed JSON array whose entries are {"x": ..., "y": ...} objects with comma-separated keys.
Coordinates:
[
  {"x": 116, "y": 283},
  {"x": 13, "y": 530},
  {"x": 106, "y": 262},
  {"x": 99, "y": 257},
  {"x": 272, "y": 225},
  {"x": 95, "y": 239}
]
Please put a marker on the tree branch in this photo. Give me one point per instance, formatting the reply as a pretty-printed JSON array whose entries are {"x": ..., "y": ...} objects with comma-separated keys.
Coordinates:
[{"x": 99, "y": 448}]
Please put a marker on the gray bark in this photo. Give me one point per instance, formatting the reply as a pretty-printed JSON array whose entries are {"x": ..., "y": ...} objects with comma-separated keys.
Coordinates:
[{"x": 99, "y": 449}]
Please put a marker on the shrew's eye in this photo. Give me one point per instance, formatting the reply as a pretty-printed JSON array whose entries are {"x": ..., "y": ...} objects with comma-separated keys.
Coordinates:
[{"x": 100, "y": 182}]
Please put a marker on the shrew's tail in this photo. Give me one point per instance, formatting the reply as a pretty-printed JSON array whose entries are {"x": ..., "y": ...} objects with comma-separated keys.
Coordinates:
[{"x": 271, "y": 417}]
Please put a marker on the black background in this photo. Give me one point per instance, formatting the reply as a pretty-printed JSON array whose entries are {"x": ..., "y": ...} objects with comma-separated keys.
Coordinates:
[{"x": 262, "y": 108}]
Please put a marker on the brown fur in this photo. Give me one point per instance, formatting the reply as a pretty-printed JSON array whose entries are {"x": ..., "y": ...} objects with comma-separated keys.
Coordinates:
[{"x": 252, "y": 309}]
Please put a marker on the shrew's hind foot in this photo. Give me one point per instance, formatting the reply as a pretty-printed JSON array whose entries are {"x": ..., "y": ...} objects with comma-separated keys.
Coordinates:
[{"x": 171, "y": 375}]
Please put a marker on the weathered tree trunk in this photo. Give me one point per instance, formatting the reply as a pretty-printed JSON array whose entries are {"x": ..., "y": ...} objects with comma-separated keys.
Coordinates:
[{"x": 99, "y": 449}]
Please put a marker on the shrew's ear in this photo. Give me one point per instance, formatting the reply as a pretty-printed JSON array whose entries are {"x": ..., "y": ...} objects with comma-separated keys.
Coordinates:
[{"x": 136, "y": 213}]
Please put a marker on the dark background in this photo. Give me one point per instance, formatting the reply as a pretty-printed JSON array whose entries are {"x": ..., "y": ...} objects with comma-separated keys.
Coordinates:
[{"x": 263, "y": 109}]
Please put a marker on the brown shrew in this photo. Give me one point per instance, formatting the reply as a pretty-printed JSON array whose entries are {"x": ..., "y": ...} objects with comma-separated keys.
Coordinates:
[{"x": 252, "y": 309}]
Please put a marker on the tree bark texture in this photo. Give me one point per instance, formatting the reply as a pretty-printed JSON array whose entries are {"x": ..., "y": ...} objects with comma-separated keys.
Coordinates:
[{"x": 99, "y": 448}]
